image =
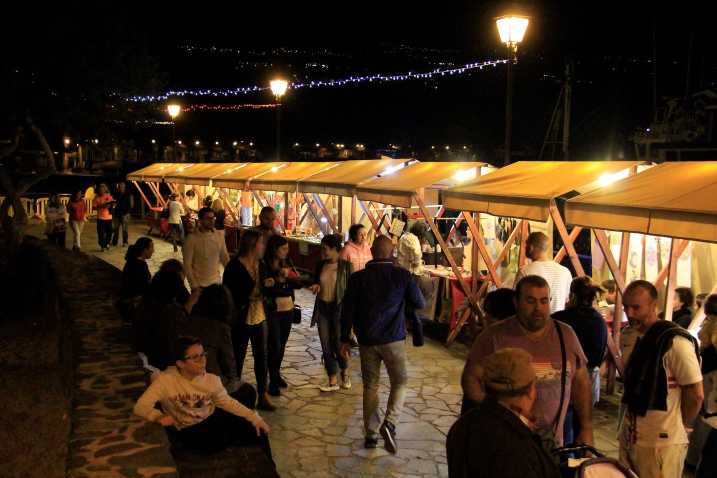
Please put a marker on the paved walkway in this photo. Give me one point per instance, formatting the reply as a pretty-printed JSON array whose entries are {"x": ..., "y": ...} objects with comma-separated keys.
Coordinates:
[{"x": 318, "y": 434}]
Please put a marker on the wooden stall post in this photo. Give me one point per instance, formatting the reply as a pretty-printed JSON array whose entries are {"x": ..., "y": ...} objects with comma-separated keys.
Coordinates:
[
  {"x": 141, "y": 193},
  {"x": 524, "y": 230},
  {"x": 671, "y": 279},
  {"x": 353, "y": 209},
  {"x": 563, "y": 231}
]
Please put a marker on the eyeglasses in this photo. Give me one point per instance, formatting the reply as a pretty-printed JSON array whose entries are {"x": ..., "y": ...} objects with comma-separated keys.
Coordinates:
[{"x": 196, "y": 356}]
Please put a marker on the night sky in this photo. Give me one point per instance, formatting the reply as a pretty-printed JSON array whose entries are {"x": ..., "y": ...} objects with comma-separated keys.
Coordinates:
[{"x": 611, "y": 46}]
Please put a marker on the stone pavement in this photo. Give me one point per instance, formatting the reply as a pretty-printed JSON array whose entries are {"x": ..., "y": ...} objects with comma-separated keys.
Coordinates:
[{"x": 320, "y": 434}]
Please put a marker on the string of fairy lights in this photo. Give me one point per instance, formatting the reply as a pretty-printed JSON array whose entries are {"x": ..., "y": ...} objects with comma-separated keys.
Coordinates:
[{"x": 351, "y": 80}]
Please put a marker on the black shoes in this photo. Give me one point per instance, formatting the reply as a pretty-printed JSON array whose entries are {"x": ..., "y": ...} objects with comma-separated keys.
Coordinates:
[
  {"x": 274, "y": 390},
  {"x": 388, "y": 433},
  {"x": 370, "y": 443}
]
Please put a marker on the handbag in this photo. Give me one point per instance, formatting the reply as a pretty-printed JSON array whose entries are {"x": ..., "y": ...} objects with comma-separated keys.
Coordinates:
[{"x": 296, "y": 316}]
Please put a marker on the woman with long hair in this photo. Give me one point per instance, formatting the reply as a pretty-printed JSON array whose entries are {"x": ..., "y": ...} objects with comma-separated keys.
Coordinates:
[
  {"x": 135, "y": 276},
  {"x": 219, "y": 215},
  {"x": 281, "y": 306},
  {"x": 330, "y": 281},
  {"x": 211, "y": 320},
  {"x": 245, "y": 276}
]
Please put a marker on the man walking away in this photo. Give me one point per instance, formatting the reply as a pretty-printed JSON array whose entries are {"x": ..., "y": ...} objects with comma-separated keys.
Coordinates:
[
  {"x": 557, "y": 276},
  {"x": 374, "y": 305}
]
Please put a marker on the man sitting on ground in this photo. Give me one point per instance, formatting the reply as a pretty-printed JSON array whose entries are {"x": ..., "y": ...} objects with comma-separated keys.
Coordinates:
[
  {"x": 198, "y": 406},
  {"x": 511, "y": 448}
]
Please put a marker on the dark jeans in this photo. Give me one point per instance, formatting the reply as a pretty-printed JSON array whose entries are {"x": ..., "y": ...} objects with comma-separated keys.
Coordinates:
[
  {"x": 708, "y": 463},
  {"x": 571, "y": 427},
  {"x": 279, "y": 330},
  {"x": 57, "y": 238},
  {"x": 176, "y": 232},
  {"x": 330, "y": 337},
  {"x": 222, "y": 428},
  {"x": 241, "y": 335},
  {"x": 117, "y": 222},
  {"x": 104, "y": 232}
]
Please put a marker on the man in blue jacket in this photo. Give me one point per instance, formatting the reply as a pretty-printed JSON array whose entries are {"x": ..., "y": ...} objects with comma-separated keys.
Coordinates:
[{"x": 375, "y": 306}]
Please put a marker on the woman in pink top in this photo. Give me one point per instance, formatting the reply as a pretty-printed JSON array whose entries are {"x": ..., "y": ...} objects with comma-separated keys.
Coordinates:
[
  {"x": 357, "y": 250},
  {"x": 78, "y": 212}
]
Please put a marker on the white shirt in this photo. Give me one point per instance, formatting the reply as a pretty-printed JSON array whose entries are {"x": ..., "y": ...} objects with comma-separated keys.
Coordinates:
[
  {"x": 659, "y": 428},
  {"x": 410, "y": 254},
  {"x": 176, "y": 211},
  {"x": 187, "y": 401},
  {"x": 204, "y": 253},
  {"x": 557, "y": 276}
]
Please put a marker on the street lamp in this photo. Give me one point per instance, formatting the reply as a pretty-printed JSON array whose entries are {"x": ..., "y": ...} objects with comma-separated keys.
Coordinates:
[
  {"x": 511, "y": 29},
  {"x": 278, "y": 88},
  {"x": 174, "y": 109}
]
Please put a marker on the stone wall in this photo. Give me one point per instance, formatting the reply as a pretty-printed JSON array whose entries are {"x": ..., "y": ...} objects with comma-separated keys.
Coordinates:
[{"x": 106, "y": 438}]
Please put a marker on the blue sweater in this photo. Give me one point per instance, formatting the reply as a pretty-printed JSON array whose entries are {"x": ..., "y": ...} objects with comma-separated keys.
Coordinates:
[{"x": 375, "y": 303}]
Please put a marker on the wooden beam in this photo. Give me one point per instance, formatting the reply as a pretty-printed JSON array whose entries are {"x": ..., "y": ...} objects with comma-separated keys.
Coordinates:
[
  {"x": 604, "y": 244},
  {"x": 340, "y": 218},
  {"x": 327, "y": 214},
  {"x": 312, "y": 212},
  {"x": 466, "y": 314},
  {"x": 563, "y": 231},
  {"x": 524, "y": 231},
  {"x": 353, "y": 209},
  {"x": 451, "y": 260},
  {"x": 680, "y": 249},
  {"x": 617, "y": 364},
  {"x": 562, "y": 252},
  {"x": 453, "y": 230},
  {"x": 671, "y": 279},
  {"x": 478, "y": 238},
  {"x": 141, "y": 193},
  {"x": 368, "y": 213},
  {"x": 286, "y": 211}
]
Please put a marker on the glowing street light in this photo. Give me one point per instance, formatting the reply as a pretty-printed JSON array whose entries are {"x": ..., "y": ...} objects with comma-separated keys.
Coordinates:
[
  {"x": 511, "y": 29},
  {"x": 173, "y": 109},
  {"x": 278, "y": 89},
  {"x": 67, "y": 142}
]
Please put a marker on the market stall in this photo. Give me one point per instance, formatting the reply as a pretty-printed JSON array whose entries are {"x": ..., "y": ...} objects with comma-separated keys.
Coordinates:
[{"x": 529, "y": 191}]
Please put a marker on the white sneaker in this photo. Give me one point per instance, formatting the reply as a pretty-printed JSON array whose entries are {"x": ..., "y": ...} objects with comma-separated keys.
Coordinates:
[
  {"x": 327, "y": 387},
  {"x": 346, "y": 382}
]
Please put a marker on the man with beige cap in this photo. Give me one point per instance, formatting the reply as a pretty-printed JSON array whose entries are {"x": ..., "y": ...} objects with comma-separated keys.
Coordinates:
[{"x": 497, "y": 438}]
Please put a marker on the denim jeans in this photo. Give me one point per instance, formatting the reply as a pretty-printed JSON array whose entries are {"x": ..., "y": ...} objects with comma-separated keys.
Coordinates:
[
  {"x": 330, "y": 337},
  {"x": 394, "y": 356},
  {"x": 279, "y": 330},
  {"x": 176, "y": 231},
  {"x": 117, "y": 222}
]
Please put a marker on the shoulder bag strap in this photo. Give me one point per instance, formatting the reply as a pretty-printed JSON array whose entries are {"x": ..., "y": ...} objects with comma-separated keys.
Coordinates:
[{"x": 563, "y": 374}]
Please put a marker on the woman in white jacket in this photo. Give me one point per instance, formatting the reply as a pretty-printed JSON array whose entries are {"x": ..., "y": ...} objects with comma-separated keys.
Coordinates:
[{"x": 198, "y": 406}]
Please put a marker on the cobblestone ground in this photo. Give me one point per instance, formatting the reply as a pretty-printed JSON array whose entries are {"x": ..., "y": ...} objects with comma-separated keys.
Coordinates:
[{"x": 319, "y": 434}]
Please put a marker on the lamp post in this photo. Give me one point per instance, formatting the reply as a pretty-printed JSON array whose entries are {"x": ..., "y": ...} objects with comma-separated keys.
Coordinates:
[
  {"x": 511, "y": 29},
  {"x": 174, "y": 109},
  {"x": 278, "y": 88}
]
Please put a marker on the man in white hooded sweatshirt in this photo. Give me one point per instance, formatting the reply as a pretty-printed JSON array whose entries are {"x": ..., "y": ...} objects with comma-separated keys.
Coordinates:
[{"x": 198, "y": 406}]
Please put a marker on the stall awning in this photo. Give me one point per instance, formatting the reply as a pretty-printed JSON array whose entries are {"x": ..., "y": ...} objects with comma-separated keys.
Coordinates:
[
  {"x": 397, "y": 188},
  {"x": 524, "y": 189},
  {"x": 241, "y": 173},
  {"x": 671, "y": 199},
  {"x": 286, "y": 176},
  {"x": 154, "y": 172},
  {"x": 198, "y": 173},
  {"x": 343, "y": 179}
]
